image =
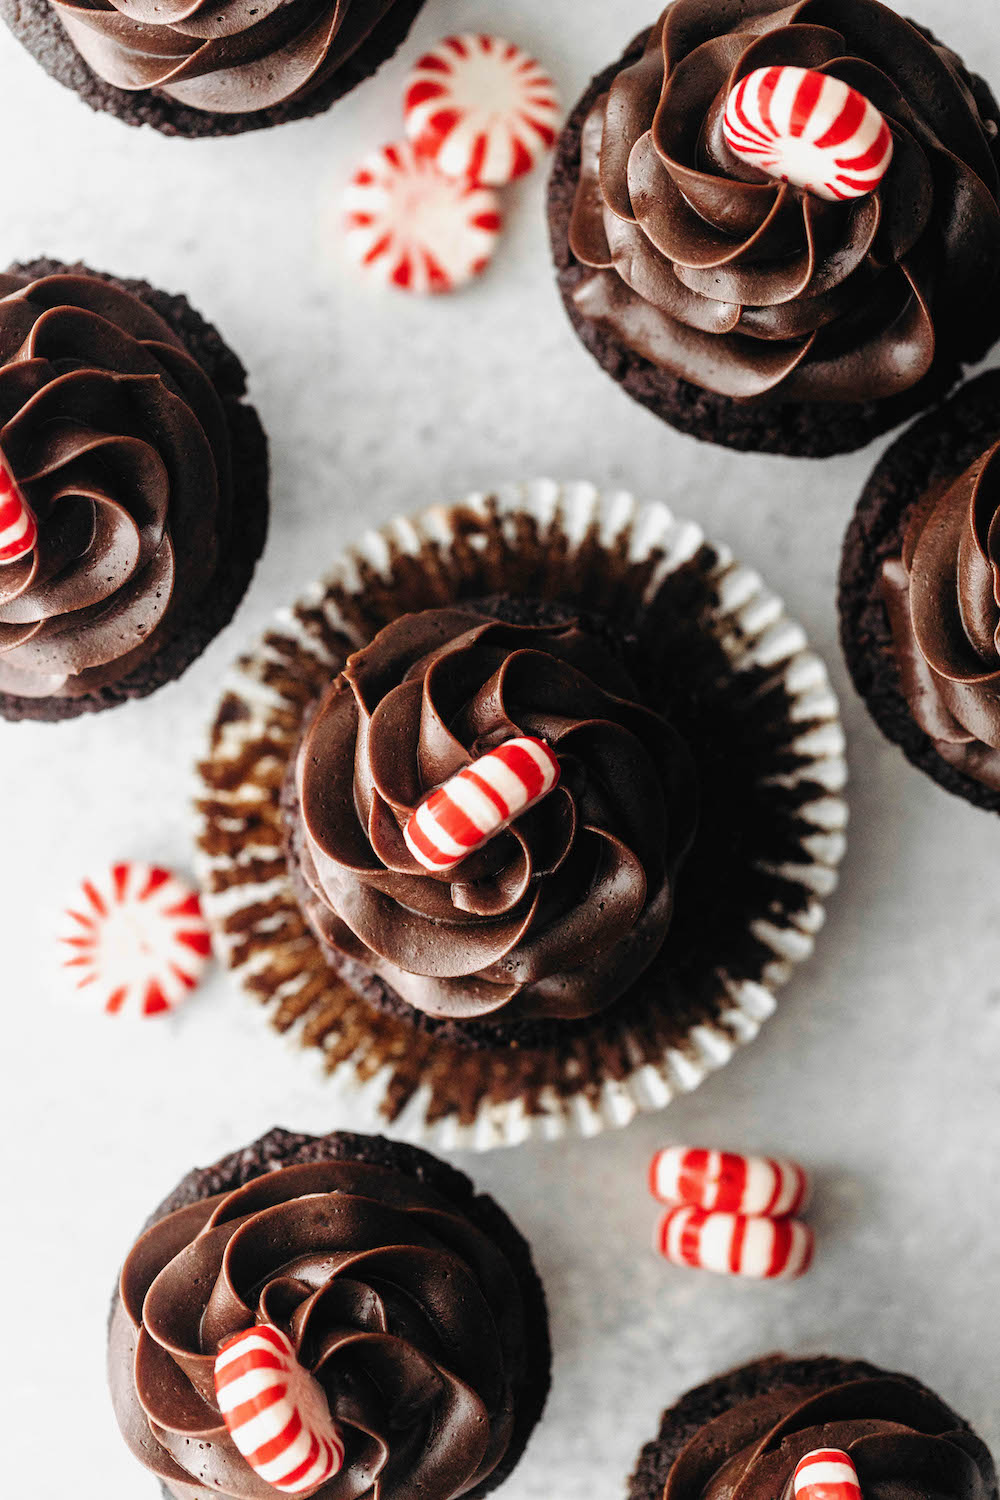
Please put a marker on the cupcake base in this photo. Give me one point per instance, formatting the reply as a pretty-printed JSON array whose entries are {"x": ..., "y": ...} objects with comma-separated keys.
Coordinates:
[
  {"x": 283, "y": 1148},
  {"x": 38, "y": 28},
  {"x": 714, "y": 648},
  {"x": 801, "y": 429},
  {"x": 250, "y": 511},
  {"x": 683, "y": 1421},
  {"x": 934, "y": 453}
]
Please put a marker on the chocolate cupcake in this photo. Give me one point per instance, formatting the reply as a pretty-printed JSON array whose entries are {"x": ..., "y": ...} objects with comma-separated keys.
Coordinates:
[
  {"x": 198, "y": 70},
  {"x": 748, "y": 1430},
  {"x": 407, "y": 1308},
  {"x": 746, "y": 310},
  {"x": 140, "y": 474},
  {"x": 602, "y": 944},
  {"x": 919, "y": 592}
]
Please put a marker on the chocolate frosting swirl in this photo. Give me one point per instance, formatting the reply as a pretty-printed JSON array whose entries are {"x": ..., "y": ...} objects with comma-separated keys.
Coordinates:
[
  {"x": 747, "y": 286},
  {"x": 904, "y": 1442},
  {"x": 943, "y": 597},
  {"x": 557, "y": 915},
  {"x": 119, "y": 443},
  {"x": 226, "y": 56},
  {"x": 407, "y": 1315}
]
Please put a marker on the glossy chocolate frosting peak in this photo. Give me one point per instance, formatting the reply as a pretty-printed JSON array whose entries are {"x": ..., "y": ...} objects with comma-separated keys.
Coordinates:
[
  {"x": 119, "y": 443},
  {"x": 226, "y": 56},
  {"x": 904, "y": 1442},
  {"x": 943, "y": 596},
  {"x": 744, "y": 285},
  {"x": 407, "y": 1315},
  {"x": 557, "y": 914}
]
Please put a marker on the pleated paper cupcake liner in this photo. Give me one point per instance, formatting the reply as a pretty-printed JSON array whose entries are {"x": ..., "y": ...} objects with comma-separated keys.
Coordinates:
[{"x": 754, "y": 703}]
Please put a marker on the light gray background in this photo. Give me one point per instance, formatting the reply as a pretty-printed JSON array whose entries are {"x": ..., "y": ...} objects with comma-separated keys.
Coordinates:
[{"x": 881, "y": 1068}]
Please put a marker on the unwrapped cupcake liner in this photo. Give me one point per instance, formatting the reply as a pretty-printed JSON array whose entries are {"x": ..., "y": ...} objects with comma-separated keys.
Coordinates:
[{"x": 625, "y": 561}]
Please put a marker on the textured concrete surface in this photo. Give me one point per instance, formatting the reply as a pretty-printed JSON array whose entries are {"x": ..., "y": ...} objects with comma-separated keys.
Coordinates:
[{"x": 881, "y": 1068}]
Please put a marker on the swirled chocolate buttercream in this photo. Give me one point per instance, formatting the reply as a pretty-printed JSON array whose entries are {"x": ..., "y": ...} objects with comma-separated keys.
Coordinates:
[
  {"x": 229, "y": 58},
  {"x": 747, "y": 286},
  {"x": 903, "y": 1441},
  {"x": 407, "y": 1315},
  {"x": 559, "y": 913},
  {"x": 119, "y": 444},
  {"x": 943, "y": 597}
]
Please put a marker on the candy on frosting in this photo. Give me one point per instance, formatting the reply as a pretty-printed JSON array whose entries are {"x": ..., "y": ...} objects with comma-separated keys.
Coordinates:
[
  {"x": 18, "y": 532},
  {"x": 229, "y": 58},
  {"x": 277, "y": 1415},
  {"x": 745, "y": 286},
  {"x": 405, "y": 1314},
  {"x": 898, "y": 1435},
  {"x": 478, "y": 801},
  {"x": 810, "y": 129},
  {"x": 118, "y": 440},
  {"x": 943, "y": 598},
  {"x": 559, "y": 913},
  {"x": 826, "y": 1474}
]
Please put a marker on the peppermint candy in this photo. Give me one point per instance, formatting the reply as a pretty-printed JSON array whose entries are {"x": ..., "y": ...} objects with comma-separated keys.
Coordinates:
[
  {"x": 18, "y": 531},
  {"x": 275, "y": 1412},
  {"x": 809, "y": 129},
  {"x": 410, "y": 226},
  {"x": 736, "y": 1244},
  {"x": 729, "y": 1182},
  {"x": 473, "y": 806},
  {"x": 138, "y": 939},
  {"x": 826, "y": 1474},
  {"x": 482, "y": 108}
]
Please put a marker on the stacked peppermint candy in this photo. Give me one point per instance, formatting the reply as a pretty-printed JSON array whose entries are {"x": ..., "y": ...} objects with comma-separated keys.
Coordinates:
[
  {"x": 732, "y": 1214},
  {"x": 423, "y": 214}
]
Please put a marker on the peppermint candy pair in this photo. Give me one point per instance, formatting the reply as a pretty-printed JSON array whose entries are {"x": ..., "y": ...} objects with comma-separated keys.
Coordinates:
[
  {"x": 422, "y": 214},
  {"x": 732, "y": 1214}
]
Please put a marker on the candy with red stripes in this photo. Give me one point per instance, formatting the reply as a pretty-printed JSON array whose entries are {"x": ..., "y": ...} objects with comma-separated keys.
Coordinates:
[
  {"x": 810, "y": 129},
  {"x": 18, "y": 529},
  {"x": 473, "y": 806},
  {"x": 409, "y": 226},
  {"x": 826, "y": 1474},
  {"x": 482, "y": 108},
  {"x": 736, "y": 1244},
  {"x": 729, "y": 1181},
  {"x": 136, "y": 939},
  {"x": 275, "y": 1412}
]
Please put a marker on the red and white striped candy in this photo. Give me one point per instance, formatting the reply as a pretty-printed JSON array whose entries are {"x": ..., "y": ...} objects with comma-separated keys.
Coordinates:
[
  {"x": 727, "y": 1181},
  {"x": 482, "y": 108},
  {"x": 736, "y": 1244},
  {"x": 138, "y": 938},
  {"x": 479, "y": 800},
  {"x": 18, "y": 531},
  {"x": 809, "y": 129},
  {"x": 277, "y": 1415},
  {"x": 410, "y": 226},
  {"x": 826, "y": 1474}
]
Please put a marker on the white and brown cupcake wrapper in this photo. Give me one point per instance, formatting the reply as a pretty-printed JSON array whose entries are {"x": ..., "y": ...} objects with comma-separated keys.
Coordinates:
[{"x": 761, "y": 720}]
